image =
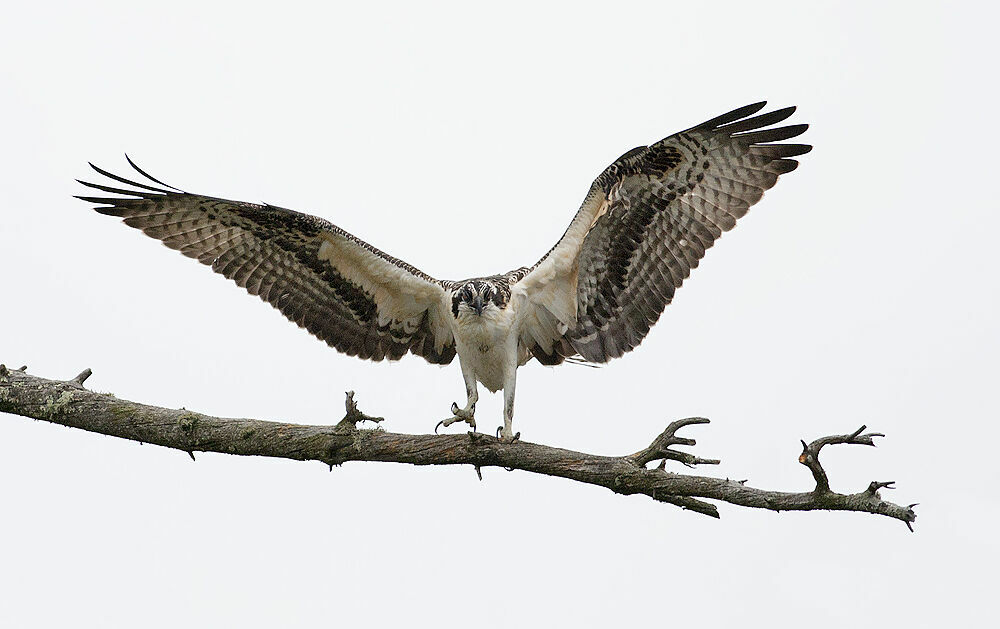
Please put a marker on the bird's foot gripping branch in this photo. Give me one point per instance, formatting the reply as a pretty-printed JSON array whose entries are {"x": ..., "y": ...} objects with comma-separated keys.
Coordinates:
[{"x": 68, "y": 403}]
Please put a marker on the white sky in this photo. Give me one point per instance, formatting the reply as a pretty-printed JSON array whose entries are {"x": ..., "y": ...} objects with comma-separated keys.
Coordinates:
[{"x": 861, "y": 290}]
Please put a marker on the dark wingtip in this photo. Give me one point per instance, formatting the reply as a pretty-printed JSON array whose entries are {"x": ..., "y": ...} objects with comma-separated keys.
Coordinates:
[
  {"x": 107, "y": 210},
  {"x": 778, "y": 134},
  {"x": 92, "y": 199},
  {"x": 147, "y": 175},
  {"x": 783, "y": 166},
  {"x": 732, "y": 116},
  {"x": 757, "y": 123},
  {"x": 112, "y": 190},
  {"x": 127, "y": 182},
  {"x": 781, "y": 114}
]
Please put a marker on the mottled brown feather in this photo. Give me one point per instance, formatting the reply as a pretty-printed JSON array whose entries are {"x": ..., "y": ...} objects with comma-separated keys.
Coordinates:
[
  {"x": 667, "y": 204},
  {"x": 273, "y": 253}
]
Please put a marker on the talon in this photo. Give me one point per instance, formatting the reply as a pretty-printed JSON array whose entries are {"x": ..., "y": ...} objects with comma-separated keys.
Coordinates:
[
  {"x": 438, "y": 426},
  {"x": 505, "y": 437},
  {"x": 454, "y": 408}
]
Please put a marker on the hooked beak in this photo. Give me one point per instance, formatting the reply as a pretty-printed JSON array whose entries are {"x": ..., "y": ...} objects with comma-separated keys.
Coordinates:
[{"x": 478, "y": 305}]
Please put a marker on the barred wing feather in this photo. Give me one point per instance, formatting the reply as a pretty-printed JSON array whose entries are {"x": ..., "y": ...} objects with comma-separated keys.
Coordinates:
[
  {"x": 357, "y": 299},
  {"x": 645, "y": 223}
]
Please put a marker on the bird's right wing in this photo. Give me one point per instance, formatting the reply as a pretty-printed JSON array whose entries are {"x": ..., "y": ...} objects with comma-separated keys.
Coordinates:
[{"x": 346, "y": 292}]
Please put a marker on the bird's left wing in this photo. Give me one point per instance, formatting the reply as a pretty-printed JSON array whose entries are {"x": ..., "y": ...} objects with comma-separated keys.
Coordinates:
[
  {"x": 344, "y": 291},
  {"x": 646, "y": 222}
]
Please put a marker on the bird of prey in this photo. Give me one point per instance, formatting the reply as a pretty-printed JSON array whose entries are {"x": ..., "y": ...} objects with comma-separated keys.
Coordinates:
[{"x": 645, "y": 223}]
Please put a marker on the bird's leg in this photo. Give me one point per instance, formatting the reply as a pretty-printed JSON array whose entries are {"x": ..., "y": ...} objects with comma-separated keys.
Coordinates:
[
  {"x": 466, "y": 414},
  {"x": 507, "y": 434}
]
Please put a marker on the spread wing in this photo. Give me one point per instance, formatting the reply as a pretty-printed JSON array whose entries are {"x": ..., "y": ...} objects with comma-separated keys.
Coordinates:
[
  {"x": 646, "y": 222},
  {"x": 346, "y": 292}
]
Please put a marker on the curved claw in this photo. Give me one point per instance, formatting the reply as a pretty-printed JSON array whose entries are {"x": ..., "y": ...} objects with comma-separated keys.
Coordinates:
[
  {"x": 458, "y": 415},
  {"x": 516, "y": 436}
]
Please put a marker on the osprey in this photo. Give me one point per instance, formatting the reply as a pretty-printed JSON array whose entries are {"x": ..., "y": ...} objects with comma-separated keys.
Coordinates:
[{"x": 645, "y": 223}]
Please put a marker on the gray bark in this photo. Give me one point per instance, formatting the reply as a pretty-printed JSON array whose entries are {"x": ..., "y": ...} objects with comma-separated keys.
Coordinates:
[{"x": 68, "y": 403}]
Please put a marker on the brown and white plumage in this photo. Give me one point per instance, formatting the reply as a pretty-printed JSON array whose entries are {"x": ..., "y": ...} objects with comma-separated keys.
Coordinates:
[
  {"x": 645, "y": 223},
  {"x": 358, "y": 299}
]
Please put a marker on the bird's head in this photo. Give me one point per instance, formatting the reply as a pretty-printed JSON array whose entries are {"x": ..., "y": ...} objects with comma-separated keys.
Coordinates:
[{"x": 477, "y": 297}]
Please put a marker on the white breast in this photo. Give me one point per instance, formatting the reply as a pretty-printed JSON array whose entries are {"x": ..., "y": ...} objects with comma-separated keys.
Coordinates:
[{"x": 486, "y": 343}]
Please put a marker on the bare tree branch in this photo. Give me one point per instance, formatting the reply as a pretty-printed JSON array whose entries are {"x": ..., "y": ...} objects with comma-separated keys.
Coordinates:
[{"x": 69, "y": 404}]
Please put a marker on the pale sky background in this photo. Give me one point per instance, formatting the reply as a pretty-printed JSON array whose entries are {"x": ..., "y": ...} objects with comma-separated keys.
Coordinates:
[{"x": 862, "y": 289}]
